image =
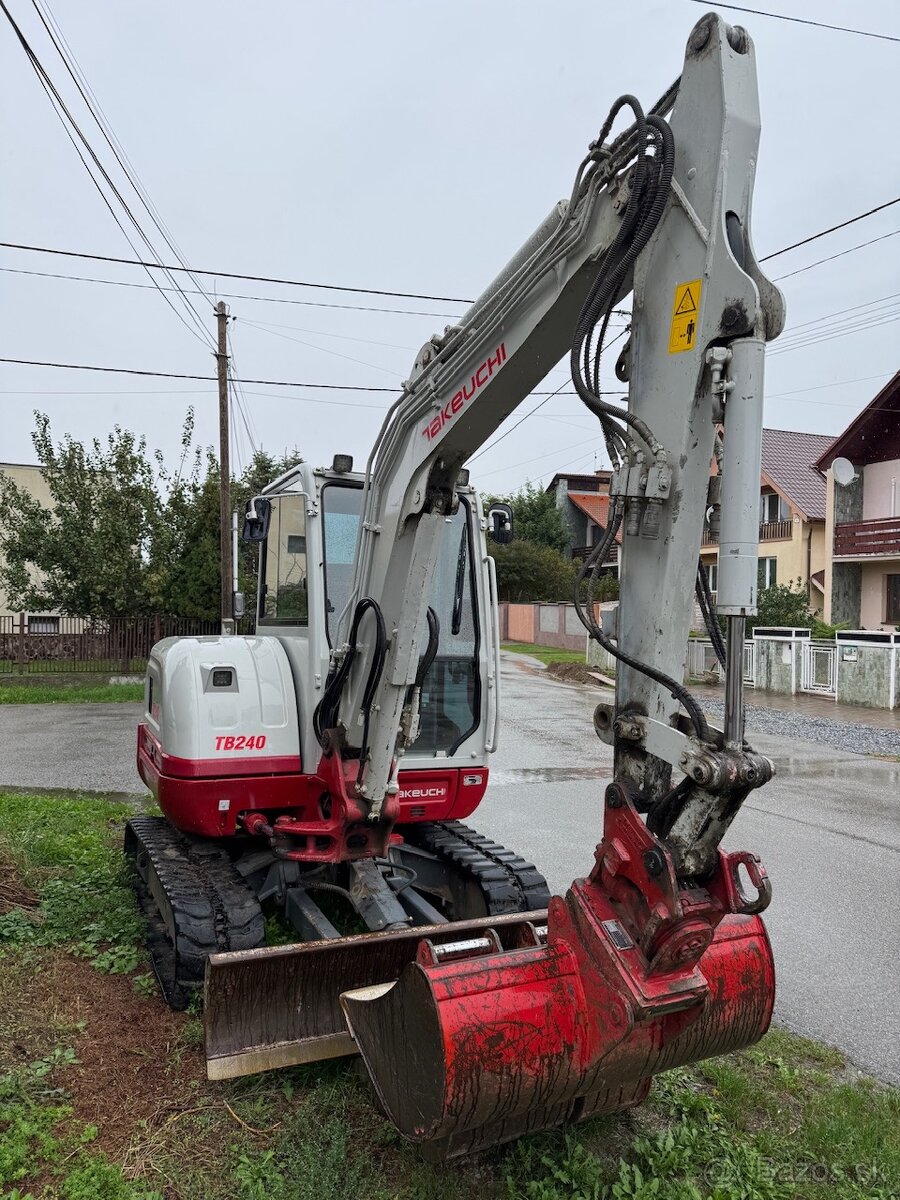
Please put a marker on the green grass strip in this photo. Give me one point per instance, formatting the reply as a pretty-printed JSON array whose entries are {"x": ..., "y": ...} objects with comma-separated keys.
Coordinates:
[{"x": 71, "y": 693}]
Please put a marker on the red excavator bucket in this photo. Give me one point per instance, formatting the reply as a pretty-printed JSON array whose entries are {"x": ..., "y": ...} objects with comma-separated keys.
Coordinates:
[{"x": 475, "y": 1045}]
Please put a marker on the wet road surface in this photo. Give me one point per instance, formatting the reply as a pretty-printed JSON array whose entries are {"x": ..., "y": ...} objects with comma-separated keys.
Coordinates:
[
  {"x": 827, "y": 828},
  {"x": 90, "y": 747}
]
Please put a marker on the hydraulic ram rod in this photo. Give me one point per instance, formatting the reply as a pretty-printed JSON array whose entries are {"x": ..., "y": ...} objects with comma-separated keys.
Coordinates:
[{"x": 739, "y": 530}]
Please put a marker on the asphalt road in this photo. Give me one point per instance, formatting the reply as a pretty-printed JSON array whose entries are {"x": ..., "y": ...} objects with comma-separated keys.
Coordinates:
[
  {"x": 827, "y": 828},
  {"x": 90, "y": 747}
]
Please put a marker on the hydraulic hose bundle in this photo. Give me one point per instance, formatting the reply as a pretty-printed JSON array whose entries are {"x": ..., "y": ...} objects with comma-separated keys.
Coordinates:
[
  {"x": 651, "y": 139},
  {"x": 325, "y": 715}
]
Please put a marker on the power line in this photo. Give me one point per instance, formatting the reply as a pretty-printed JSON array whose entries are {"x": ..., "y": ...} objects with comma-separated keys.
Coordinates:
[
  {"x": 539, "y": 458},
  {"x": 136, "y": 262},
  {"x": 334, "y": 401},
  {"x": 813, "y": 340},
  {"x": 758, "y": 12},
  {"x": 341, "y": 337},
  {"x": 841, "y": 311},
  {"x": 372, "y": 291},
  {"x": 71, "y": 128},
  {"x": 836, "y": 383},
  {"x": 834, "y": 228},
  {"x": 547, "y": 400},
  {"x": 491, "y": 445},
  {"x": 335, "y": 387},
  {"x": 322, "y": 349},
  {"x": 404, "y": 312},
  {"x": 840, "y": 254},
  {"x": 100, "y": 120},
  {"x": 359, "y": 290}
]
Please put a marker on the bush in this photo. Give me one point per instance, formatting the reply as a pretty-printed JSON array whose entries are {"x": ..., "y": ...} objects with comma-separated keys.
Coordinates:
[
  {"x": 529, "y": 572},
  {"x": 785, "y": 604}
]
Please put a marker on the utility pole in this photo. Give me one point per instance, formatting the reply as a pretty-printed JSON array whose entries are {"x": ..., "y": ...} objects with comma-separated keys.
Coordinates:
[{"x": 224, "y": 474}]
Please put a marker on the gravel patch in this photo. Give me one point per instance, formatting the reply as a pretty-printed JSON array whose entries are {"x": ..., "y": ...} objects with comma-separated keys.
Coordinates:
[{"x": 841, "y": 735}]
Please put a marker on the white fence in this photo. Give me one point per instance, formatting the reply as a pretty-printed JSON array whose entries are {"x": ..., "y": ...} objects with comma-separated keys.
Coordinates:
[{"x": 701, "y": 660}]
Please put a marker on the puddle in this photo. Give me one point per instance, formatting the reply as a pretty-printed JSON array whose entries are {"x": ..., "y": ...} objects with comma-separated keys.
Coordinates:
[{"x": 507, "y": 778}]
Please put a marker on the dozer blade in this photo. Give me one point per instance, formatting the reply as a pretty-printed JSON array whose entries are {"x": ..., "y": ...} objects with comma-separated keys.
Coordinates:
[{"x": 279, "y": 1006}]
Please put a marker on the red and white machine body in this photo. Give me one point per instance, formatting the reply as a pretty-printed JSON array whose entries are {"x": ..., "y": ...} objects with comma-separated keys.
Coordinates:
[
  {"x": 367, "y": 701},
  {"x": 228, "y": 723}
]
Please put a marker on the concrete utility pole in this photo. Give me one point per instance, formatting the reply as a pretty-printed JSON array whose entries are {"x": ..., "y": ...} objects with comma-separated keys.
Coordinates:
[{"x": 224, "y": 474}]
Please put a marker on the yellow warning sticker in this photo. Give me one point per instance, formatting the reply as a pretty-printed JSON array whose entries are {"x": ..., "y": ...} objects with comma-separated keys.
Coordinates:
[{"x": 685, "y": 314}]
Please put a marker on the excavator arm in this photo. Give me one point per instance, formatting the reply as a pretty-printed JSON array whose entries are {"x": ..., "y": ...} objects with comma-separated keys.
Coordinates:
[
  {"x": 478, "y": 1032},
  {"x": 662, "y": 211}
]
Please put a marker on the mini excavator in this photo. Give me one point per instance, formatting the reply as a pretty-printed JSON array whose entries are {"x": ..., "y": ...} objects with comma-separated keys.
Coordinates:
[{"x": 326, "y": 764}]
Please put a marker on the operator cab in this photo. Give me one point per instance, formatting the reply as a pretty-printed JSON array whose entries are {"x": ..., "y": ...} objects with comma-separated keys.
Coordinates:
[{"x": 307, "y": 528}]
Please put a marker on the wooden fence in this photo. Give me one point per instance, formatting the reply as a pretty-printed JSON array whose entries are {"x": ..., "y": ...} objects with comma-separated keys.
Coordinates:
[{"x": 52, "y": 644}]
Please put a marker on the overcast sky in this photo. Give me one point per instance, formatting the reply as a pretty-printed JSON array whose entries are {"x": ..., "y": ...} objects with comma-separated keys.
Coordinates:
[{"x": 409, "y": 146}]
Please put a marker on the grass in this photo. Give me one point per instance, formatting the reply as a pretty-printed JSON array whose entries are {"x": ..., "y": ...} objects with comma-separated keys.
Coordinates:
[
  {"x": 785, "y": 1120},
  {"x": 80, "y": 692},
  {"x": 547, "y": 654}
]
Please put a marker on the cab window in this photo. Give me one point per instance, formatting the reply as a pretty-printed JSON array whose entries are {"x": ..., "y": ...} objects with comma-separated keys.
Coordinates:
[
  {"x": 451, "y": 693},
  {"x": 283, "y": 596}
]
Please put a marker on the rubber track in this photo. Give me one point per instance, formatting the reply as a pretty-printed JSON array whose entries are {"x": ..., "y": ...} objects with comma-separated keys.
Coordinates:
[
  {"x": 507, "y": 881},
  {"x": 206, "y": 905}
]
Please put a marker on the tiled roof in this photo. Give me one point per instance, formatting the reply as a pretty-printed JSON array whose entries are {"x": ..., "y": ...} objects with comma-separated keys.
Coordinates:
[
  {"x": 873, "y": 435},
  {"x": 595, "y": 482},
  {"x": 594, "y": 506},
  {"x": 788, "y": 462}
]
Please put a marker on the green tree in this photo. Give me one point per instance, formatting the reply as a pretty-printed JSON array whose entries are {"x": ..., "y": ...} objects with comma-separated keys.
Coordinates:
[
  {"x": 527, "y": 571},
  {"x": 91, "y": 553},
  {"x": 190, "y": 579},
  {"x": 784, "y": 604},
  {"x": 188, "y": 551},
  {"x": 125, "y": 535},
  {"x": 536, "y": 517}
]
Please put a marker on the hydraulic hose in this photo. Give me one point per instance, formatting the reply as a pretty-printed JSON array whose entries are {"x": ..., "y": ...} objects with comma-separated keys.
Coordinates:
[{"x": 677, "y": 690}]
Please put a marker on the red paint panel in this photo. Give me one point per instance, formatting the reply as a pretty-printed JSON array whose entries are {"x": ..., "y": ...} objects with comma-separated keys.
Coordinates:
[
  {"x": 194, "y": 804},
  {"x": 190, "y": 792},
  {"x": 252, "y": 762}
]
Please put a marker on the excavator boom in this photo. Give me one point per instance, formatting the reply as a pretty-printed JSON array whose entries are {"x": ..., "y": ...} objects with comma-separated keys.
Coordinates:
[{"x": 476, "y": 1033}]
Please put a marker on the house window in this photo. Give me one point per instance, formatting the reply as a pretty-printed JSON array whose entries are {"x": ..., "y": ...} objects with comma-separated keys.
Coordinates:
[
  {"x": 43, "y": 624},
  {"x": 772, "y": 508},
  {"x": 892, "y": 609},
  {"x": 767, "y": 575},
  {"x": 712, "y": 570}
]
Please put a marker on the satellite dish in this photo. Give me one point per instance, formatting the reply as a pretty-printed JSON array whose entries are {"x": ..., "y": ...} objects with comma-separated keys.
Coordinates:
[{"x": 843, "y": 471}]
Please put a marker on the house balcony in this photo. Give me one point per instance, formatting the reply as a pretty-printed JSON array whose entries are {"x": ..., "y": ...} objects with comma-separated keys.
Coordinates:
[
  {"x": 769, "y": 531},
  {"x": 612, "y": 555},
  {"x": 868, "y": 539},
  {"x": 776, "y": 531}
]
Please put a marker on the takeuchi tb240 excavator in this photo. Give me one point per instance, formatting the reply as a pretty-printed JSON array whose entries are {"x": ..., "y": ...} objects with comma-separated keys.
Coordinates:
[{"x": 325, "y": 765}]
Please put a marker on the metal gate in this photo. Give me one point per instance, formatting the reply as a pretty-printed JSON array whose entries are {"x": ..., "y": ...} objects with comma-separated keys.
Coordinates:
[
  {"x": 817, "y": 667},
  {"x": 702, "y": 661},
  {"x": 750, "y": 664}
]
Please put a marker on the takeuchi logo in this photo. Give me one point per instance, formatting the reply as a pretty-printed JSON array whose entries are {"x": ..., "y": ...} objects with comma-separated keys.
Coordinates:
[{"x": 492, "y": 363}]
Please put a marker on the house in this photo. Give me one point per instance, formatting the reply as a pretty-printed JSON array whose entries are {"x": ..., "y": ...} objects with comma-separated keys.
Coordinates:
[
  {"x": 584, "y": 501},
  {"x": 862, "y": 524},
  {"x": 30, "y": 478},
  {"x": 791, "y": 515}
]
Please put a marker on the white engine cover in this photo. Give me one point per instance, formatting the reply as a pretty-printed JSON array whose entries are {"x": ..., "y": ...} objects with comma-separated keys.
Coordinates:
[{"x": 222, "y": 698}]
